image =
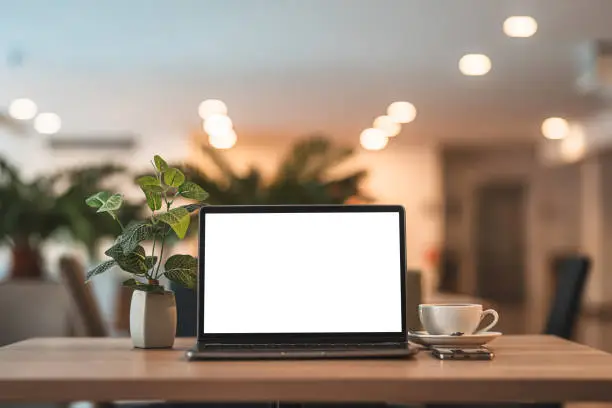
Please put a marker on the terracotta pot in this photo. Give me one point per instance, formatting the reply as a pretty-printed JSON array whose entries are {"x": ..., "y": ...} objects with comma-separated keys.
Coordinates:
[
  {"x": 153, "y": 319},
  {"x": 26, "y": 262}
]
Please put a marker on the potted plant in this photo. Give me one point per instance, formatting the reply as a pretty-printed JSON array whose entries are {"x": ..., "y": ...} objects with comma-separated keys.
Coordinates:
[{"x": 153, "y": 308}]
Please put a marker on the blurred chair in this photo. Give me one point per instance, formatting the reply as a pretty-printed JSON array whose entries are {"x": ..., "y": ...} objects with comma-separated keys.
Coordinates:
[
  {"x": 34, "y": 308},
  {"x": 414, "y": 297},
  {"x": 73, "y": 275},
  {"x": 571, "y": 275}
]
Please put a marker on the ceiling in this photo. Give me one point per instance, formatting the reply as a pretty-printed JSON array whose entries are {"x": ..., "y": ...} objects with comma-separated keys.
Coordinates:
[{"x": 289, "y": 67}]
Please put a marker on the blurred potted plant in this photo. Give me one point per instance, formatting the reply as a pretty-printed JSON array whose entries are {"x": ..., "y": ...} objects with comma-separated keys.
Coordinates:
[
  {"x": 32, "y": 211},
  {"x": 303, "y": 177},
  {"x": 153, "y": 309}
]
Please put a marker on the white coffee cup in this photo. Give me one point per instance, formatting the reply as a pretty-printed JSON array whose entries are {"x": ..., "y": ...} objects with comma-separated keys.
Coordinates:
[{"x": 456, "y": 318}]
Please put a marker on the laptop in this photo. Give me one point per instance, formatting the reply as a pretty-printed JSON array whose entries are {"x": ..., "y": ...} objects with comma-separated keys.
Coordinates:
[{"x": 293, "y": 282}]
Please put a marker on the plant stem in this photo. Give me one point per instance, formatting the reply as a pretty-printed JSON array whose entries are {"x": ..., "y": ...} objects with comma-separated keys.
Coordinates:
[
  {"x": 118, "y": 220},
  {"x": 154, "y": 242},
  {"x": 153, "y": 252},
  {"x": 163, "y": 240},
  {"x": 161, "y": 256}
]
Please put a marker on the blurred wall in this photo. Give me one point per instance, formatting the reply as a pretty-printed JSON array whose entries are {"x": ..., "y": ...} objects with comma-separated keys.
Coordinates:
[{"x": 32, "y": 154}]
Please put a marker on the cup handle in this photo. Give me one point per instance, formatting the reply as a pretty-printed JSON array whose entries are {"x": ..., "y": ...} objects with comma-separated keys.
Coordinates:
[{"x": 493, "y": 323}]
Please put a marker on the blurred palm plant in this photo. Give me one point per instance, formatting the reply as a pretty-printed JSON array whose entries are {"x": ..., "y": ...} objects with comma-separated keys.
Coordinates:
[
  {"x": 32, "y": 211},
  {"x": 302, "y": 178}
]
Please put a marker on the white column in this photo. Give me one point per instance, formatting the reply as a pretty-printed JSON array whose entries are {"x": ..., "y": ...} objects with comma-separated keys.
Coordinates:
[{"x": 592, "y": 209}]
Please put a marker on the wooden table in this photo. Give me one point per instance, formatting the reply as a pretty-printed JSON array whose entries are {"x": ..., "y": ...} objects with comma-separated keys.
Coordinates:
[{"x": 527, "y": 368}]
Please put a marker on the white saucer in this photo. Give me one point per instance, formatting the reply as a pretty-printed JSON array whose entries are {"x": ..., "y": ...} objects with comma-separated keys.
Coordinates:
[{"x": 467, "y": 340}]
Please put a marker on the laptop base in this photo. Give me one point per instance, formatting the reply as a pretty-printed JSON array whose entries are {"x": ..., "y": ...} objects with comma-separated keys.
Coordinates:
[{"x": 299, "y": 352}]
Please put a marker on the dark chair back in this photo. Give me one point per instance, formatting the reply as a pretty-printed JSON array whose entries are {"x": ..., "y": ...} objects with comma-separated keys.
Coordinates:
[
  {"x": 186, "y": 311},
  {"x": 571, "y": 274}
]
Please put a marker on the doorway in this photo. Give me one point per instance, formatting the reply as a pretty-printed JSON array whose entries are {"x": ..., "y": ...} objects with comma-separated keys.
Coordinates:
[{"x": 500, "y": 242}]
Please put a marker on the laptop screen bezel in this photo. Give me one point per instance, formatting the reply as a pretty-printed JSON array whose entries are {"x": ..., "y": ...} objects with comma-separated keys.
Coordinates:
[{"x": 263, "y": 338}]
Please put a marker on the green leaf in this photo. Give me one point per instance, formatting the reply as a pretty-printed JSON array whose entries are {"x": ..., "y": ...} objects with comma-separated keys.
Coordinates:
[
  {"x": 174, "y": 177},
  {"x": 150, "y": 184},
  {"x": 178, "y": 219},
  {"x": 112, "y": 204},
  {"x": 101, "y": 268},
  {"x": 148, "y": 181},
  {"x": 191, "y": 190},
  {"x": 160, "y": 164},
  {"x": 98, "y": 199},
  {"x": 134, "y": 234},
  {"x": 192, "y": 207},
  {"x": 182, "y": 269},
  {"x": 114, "y": 252},
  {"x": 134, "y": 284},
  {"x": 134, "y": 262},
  {"x": 151, "y": 188},
  {"x": 154, "y": 200}
]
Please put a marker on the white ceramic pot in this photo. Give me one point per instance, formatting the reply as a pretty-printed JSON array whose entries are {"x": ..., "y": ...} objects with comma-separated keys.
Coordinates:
[{"x": 152, "y": 319}]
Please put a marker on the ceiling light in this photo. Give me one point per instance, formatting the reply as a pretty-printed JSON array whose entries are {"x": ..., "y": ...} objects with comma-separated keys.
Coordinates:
[
  {"x": 474, "y": 64},
  {"x": 218, "y": 124},
  {"x": 573, "y": 147},
  {"x": 47, "y": 123},
  {"x": 389, "y": 126},
  {"x": 225, "y": 141},
  {"x": 22, "y": 109},
  {"x": 555, "y": 128},
  {"x": 211, "y": 107},
  {"x": 373, "y": 139},
  {"x": 520, "y": 26},
  {"x": 402, "y": 112}
]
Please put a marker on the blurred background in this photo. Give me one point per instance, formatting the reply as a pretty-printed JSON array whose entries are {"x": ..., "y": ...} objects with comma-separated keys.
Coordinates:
[{"x": 496, "y": 135}]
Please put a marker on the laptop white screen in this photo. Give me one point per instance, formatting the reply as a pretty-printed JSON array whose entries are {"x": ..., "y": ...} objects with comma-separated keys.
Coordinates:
[{"x": 302, "y": 273}]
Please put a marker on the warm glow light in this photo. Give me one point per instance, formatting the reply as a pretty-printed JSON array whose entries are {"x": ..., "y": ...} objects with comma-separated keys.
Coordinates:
[
  {"x": 22, "y": 109},
  {"x": 573, "y": 146},
  {"x": 225, "y": 141},
  {"x": 373, "y": 139},
  {"x": 389, "y": 126},
  {"x": 402, "y": 112},
  {"x": 354, "y": 200},
  {"x": 520, "y": 26},
  {"x": 217, "y": 125},
  {"x": 47, "y": 123},
  {"x": 212, "y": 107},
  {"x": 474, "y": 64},
  {"x": 555, "y": 128}
]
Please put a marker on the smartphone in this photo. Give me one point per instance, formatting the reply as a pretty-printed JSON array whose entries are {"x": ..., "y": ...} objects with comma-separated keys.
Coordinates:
[{"x": 456, "y": 353}]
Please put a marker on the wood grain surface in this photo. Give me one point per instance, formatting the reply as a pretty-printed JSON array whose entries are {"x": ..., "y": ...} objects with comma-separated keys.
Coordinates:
[{"x": 526, "y": 368}]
